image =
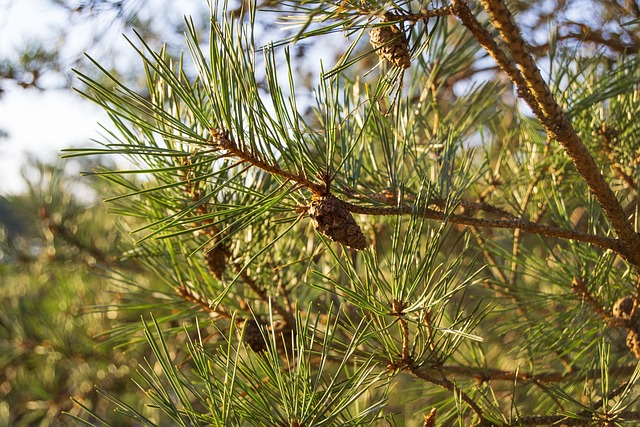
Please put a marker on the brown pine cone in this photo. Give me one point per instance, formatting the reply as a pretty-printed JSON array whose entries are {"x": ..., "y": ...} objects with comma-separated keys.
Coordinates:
[
  {"x": 253, "y": 336},
  {"x": 216, "y": 261},
  {"x": 391, "y": 44},
  {"x": 332, "y": 219},
  {"x": 633, "y": 342},
  {"x": 623, "y": 308}
]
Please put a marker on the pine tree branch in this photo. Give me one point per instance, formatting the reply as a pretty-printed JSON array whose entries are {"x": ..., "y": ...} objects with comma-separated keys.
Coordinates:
[
  {"x": 223, "y": 140},
  {"x": 217, "y": 258},
  {"x": 469, "y": 207},
  {"x": 588, "y": 419},
  {"x": 406, "y": 362},
  {"x": 560, "y": 128},
  {"x": 550, "y": 377},
  {"x": 420, "y": 16},
  {"x": 448, "y": 385},
  {"x": 286, "y": 316},
  {"x": 485, "y": 39},
  {"x": 190, "y": 296},
  {"x": 501, "y": 18},
  {"x": 490, "y": 374},
  {"x": 528, "y": 226},
  {"x": 615, "y": 42},
  {"x": 404, "y": 327},
  {"x": 550, "y": 420}
]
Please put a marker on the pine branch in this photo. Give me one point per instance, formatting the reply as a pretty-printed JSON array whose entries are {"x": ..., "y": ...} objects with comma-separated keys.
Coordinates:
[
  {"x": 584, "y": 418},
  {"x": 485, "y": 39},
  {"x": 615, "y": 245},
  {"x": 584, "y": 33},
  {"x": 450, "y": 386},
  {"x": 223, "y": 140},
  {"x": 560, "y": 128},
  {"x": 424, "y": 14},
  {"x": 286, "y": 316},
  {"x": 192, "y": 297}
]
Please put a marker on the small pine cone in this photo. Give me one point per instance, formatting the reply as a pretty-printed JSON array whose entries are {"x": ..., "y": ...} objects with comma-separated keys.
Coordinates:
[
  {"x": 391, "y": 43},
  {"x": 633, "y": 342},
  {"x": 430, "y": 420},
  {"x": 623, "y": 308},
  {"x": 332, "y": 219},
  {"x": 253, "y": 336},
  {"x": 216, "y": 260}
]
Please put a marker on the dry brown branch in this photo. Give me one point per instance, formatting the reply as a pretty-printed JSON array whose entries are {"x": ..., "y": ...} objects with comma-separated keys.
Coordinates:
[
  {"x": 559, "y": 127},
  {"x": 562, "y": 420},
  {"x": 585, "y": 33},
  {"x": 222, "y": 140},
  {"x": 448, "y": 385},
  {"x": 528, "y": 226},
  {"x": 191, "y": 296},
  {"x": 549, "y": 377},
  {"x": 484, "y": 38}
]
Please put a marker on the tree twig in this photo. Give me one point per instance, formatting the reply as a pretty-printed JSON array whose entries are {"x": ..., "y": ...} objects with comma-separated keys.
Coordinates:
[
  {"x": 448, "y": 385},
  {"x": 557, "y": 125},
  {"x": 528, "y": 226},
  {"x": 223, "y": 140}
]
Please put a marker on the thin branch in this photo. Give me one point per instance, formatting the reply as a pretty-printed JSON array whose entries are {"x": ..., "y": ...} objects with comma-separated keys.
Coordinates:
[
  {"x": 591, "y": 35},
  {"x": 190, "y": 296},
  {"x": 485, "y": 39},
  {"x": 223, "y": 252},
  {"x": 563, "y": 420},
  {"x": 286, "y": 316},
  {"x": 528, "y": 226},
  {"x": 469, "y": 207},
  {"x": 448, "y": 385},
  {"x": 549, "y": 420},
  {"x": 560, "y": 128},
  {"x": 221, "y": 139},
  {"x": 489, "y": 374}
]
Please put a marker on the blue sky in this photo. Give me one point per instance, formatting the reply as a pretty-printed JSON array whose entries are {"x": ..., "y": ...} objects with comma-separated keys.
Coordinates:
[{"x": 40, "y": 123}]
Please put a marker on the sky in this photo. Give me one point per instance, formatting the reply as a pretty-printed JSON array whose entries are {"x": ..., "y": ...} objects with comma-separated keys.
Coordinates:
[{"x": 39, "y": 123}]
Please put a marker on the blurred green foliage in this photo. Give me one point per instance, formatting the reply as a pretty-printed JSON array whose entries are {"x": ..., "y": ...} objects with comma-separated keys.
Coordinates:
[{"x": 57, "y": 242}]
